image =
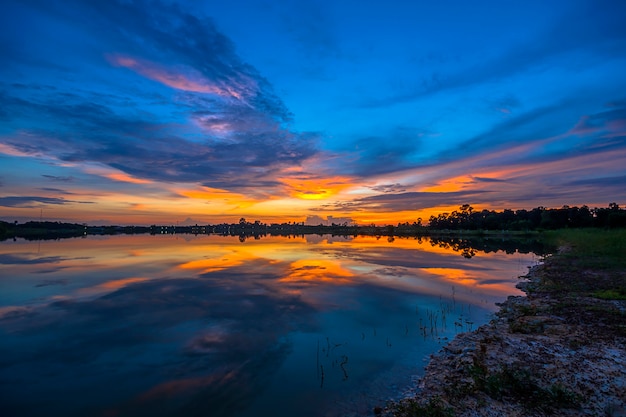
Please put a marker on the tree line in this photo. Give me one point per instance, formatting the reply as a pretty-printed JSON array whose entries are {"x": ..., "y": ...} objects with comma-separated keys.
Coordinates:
[{"x": 466, "y": 218}]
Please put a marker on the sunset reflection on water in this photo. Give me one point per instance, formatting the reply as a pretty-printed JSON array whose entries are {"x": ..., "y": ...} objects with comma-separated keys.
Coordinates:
[{"x": 208, "y": 325}]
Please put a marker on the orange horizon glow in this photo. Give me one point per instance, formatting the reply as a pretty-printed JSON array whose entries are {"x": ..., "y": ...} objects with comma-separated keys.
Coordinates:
[
  {"x": 318, "y": 188},
  {"x": 297, "y": 195},
  {"x": 139, "y": 201},
  {"x": 138, "y": 214}
]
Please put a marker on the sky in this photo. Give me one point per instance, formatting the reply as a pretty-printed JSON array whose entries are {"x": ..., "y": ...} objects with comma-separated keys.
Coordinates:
[{"x": 183, "y": 112}]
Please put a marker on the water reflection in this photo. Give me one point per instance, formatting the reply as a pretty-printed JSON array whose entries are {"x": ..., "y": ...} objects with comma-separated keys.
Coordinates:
[{"x": 207, "y": 325}]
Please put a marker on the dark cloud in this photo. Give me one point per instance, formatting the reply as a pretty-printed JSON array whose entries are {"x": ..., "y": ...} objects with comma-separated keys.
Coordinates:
[
  {"x": 484, "y": 179},
  {"x": 547, "y": 191},
  {"x": 239, "y": 136},
  {"x": 606, "y": 183},
  {"x": 601, "y": 122},
  {"x": 389, "y": 188},
  {"x": 31, "y": 201},
  {"x": 415, "y": 200},
  {"x": 159, "y": 32},
  {"x": 58, "y": 178},
  {"x": 55, "y": 190}
]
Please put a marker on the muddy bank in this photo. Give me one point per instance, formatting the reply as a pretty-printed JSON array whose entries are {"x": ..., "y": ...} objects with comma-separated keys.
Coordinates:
[{"x": 555, "y": 351}]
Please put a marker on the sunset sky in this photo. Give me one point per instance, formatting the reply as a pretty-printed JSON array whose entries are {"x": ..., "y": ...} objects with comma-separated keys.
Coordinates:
[{"x": 141, "y": 112}]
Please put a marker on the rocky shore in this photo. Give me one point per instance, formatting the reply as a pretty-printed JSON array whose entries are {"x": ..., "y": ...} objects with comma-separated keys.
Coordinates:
[{"x": 556, "y": 351}]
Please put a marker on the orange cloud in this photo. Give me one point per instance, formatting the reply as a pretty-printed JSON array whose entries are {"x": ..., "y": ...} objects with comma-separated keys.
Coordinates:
[
  {"x": 190, "y": 80},
  {"x": 10, "y": 150},
  {"x": 450, "y": 185},
  {"x": 316, "y": 188},
  {"x": 204, "y": 194},
  {"x": 123, "y": 177},
  {"x": 221, "y": 200}
]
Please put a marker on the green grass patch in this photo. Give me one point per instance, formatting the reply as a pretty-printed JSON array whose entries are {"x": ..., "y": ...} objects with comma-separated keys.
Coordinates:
[
  {"x": 593, "y": 248},
  {"x": 611, "y": 294},
  {"x": 592, "y": 262}
]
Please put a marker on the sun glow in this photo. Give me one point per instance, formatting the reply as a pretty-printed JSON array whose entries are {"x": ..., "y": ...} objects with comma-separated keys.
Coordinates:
[
  {"x": 316, "y": 188},
  {"x": 450, "y": 185}
]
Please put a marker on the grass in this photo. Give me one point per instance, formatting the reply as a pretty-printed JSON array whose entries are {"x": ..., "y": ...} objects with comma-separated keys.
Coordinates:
[
  {"x": 592, "y": 248},
  {"x": 611, "y": 294},
  {"x": 592, "y": 262}
]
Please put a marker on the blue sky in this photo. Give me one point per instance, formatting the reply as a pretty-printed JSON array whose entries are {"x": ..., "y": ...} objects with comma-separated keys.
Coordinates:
[{"x": 142, "y": 112}]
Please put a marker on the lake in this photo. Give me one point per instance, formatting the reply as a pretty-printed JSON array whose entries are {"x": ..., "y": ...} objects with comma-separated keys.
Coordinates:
[{"x": 168, "y": 325}]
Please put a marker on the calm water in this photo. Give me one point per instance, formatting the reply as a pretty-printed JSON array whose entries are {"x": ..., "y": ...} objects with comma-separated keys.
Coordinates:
[{"x": 209, "y": 326}]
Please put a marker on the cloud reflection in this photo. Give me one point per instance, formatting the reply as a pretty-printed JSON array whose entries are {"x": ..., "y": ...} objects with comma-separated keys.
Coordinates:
[{"x": 202, "y": 326}]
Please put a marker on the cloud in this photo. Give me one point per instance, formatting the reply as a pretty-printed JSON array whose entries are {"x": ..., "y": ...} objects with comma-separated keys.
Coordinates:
[
  {"x": 411, "y": 201},
  {"x": 121, "y": 177},
  {"x": 615, "y": 183},
  {"x": 58, "y": 178},
  {"x": 182, "y": 78},
  {"x": 485, "y": 179},
  {"x": 55, "y": 190},
  {"x": 541, "y": 157},
  {"x": 389, "y": 188},
  {"x": 31, "y": 201},
  {"x": 405, "y": 149},
  {"x": 540, "y": 135},
  {"x": 609, "y": 123},
  {"x": 213, "y": 119}
]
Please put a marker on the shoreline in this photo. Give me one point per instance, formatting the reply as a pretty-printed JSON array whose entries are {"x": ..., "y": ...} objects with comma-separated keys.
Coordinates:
[{"x": 545, "y": 353}]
